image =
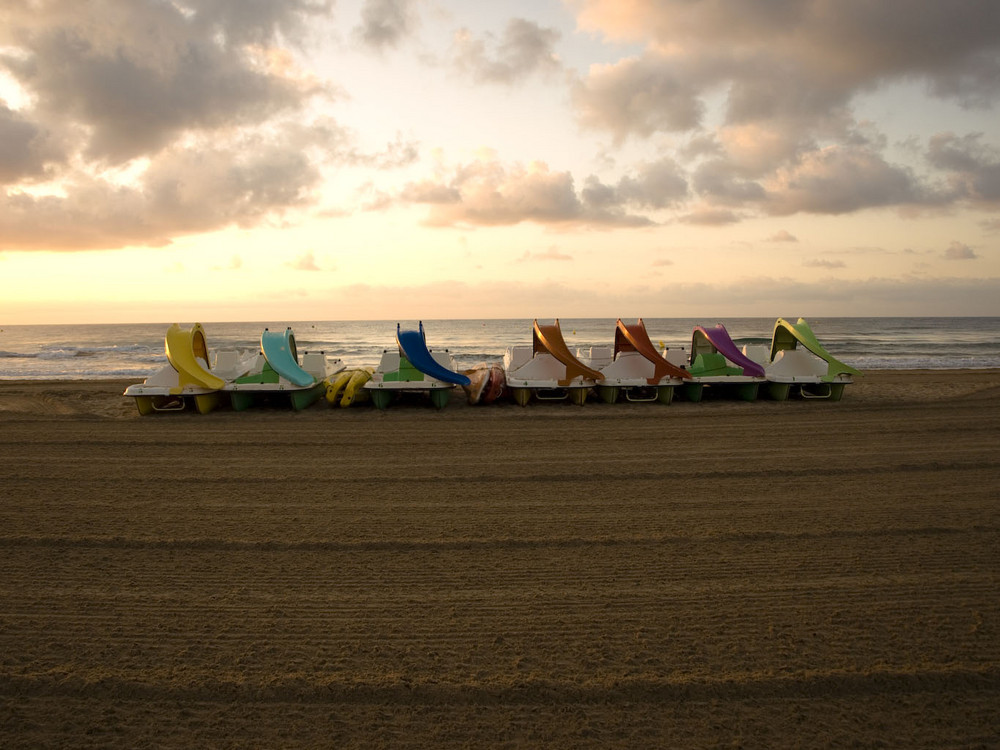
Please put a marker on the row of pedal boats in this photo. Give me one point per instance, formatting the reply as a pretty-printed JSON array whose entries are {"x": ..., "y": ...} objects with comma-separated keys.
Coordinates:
[{"x": 632, "y": 369}]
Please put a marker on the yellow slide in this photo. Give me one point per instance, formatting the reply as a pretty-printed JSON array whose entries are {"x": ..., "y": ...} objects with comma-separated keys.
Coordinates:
[{"x": 187, "y": 353}]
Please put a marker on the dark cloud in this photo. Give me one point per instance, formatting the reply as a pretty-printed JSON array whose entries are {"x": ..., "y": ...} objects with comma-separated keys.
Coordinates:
[
  {"x": 386, "y": 23},
  {"x": 25, "y": 148},
  {"x": 200, "y": 103},
  {"x": 789, "y": 73},
  {"x": 810, "y": 56},
  {"x": 182, "y": 191},
  {"x": 656, "y": 185},
  {"x": 523, "y": 49},
  {"x": 135, "y": 76},
  {"x": 974, "y": 166},
  {"x": 719, "y": 182},
  {"x": 839, "y": 180},
  {"x": 257, "y": 21}
]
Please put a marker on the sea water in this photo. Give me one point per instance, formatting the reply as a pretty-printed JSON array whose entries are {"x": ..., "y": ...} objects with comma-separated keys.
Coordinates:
[{"x": 134, "y": 351}]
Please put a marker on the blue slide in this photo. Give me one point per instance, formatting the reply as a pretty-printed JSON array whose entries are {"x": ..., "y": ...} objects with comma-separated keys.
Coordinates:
[
  {"x": 280, "y": 352},
  {"x": 413, "y": 346}
]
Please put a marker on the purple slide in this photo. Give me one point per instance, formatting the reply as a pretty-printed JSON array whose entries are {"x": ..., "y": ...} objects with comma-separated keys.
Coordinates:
[{"x": 718, "y": 337}]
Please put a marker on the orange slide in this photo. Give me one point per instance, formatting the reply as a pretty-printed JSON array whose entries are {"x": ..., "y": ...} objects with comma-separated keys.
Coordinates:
[
  {"x": 548, "y": 339},
  {"x": 632, "y": 337}
]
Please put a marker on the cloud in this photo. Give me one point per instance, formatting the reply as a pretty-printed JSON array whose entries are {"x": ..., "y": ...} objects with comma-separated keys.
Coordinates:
[
  {"x": 788, "y": 139},
  {"x": 235, "y": 263},
  {"x": 304, "y": 262},
  {"x": 487, "y": 192},
  {"x": 183, "y": 190},
  {"x": 718, "y": 182},
  {"x": 711, "y": 217},
  {"x": 129, "y": 78},
  {"x": 550, "y": 253},
  {"x": 823, "y": 263},
  {"x": 523, "y": 49},
  {"x": 765, "y": 296},
  {"x": 782, "y": 236},
  {"x": 386, "y": 23},
  {"x": 145, "y": 120},
  {"x": 26, "y": 149},
  {"x": 637, "y": 96},
  {"x": 781, "y": 58},
  {"x": 841, "y": 179},
  {"x": 959, "y": 251},
  {"x": 243, "y": 22},
  {"x": 974, "y": 166},
  {"x": 656, "y": 185}
]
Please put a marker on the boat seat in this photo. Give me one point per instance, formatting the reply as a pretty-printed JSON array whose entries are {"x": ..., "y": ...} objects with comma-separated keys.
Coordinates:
[
  {"x": 676, "y": 356},
  {"x": 797, "y": 363},
  {"x": 227, "y": 359},
  {"x": 516, "y": 356},
  {"x": 315, "y": 364},
  {"x": 597, "y": 357},
  {"x": 759, "y": 353}
]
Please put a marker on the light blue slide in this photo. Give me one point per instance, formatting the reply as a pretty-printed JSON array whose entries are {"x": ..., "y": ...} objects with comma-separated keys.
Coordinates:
[
  {"x": 280, "y": 352},
  {"x": 413, "y": 346}
]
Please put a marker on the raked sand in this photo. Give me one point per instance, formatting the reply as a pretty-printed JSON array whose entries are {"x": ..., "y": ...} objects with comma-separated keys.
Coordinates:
[{"x": 696, "y": 575}]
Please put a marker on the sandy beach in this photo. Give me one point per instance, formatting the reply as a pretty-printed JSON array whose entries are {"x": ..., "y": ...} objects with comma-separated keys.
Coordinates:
[{"x": 719, "y": 574}]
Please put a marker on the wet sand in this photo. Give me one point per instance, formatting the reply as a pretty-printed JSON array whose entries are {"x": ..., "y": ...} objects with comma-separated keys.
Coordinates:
[{"x": 693, "y": 575}]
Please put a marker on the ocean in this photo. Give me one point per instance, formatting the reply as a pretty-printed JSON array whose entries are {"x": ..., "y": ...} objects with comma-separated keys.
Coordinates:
[{"x": 70, "y": 352}]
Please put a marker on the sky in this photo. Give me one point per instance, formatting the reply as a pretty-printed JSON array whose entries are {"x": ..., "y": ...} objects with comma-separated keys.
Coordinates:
[{"x": 244, "y": 160}]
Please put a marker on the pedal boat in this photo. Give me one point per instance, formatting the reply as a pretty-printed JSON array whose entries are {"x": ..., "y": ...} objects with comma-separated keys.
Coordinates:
[
  {"x": 487, "y": 383},
  {"x": 347, "y": 387},
  {"x": 716, "y": 363},
  {"x": 187, "y": 381},
  {"x": 547, "y": 370},
  {"x": 413, "y": 368},
  {"x": 633, "y": 368},
  {"x": 277, "y": 376},
  {"x": 808, "y": 371}
]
